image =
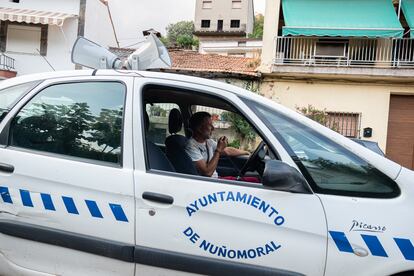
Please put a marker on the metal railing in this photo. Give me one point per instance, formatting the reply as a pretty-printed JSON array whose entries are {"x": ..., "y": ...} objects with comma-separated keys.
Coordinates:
[
  {"x": 352, "y": 52},
  {"x": 6, "y": 62},
  {"x": 346, "y": 123}
]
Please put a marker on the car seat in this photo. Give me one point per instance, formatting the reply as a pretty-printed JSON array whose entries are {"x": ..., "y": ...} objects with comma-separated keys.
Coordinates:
[{"x": 175, "y": 145}]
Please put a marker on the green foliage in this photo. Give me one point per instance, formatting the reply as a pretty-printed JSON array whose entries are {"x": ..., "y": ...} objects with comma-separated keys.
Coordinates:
[
  {"x": 165, "y": 41},
  {"x": 252, "y": 86},
  {"x": 156, "y": 110},
  {"x": 320, "y": 116},
  {"x": 181, "y": 34},
  {"x": 258, "y": 27},
  {"x": 235, "y": 144},
  {"x": 239, "y": 125},
  {"x": 185, "y": 41}
]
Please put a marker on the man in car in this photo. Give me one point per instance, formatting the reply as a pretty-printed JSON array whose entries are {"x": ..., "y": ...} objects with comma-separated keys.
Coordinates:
[{"x": 205, "y": 152}]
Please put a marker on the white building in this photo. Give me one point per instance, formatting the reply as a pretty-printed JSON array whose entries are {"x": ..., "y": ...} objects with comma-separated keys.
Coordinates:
[
  {"x": 39, "y": 35},
  {"x": 240, "y": 47},
  {"x": 223, "y": 18}
]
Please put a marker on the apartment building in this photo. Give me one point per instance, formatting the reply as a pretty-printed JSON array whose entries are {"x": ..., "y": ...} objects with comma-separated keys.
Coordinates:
[
  {"x": 354, "y": 59},
  {"x": 223, "y": 26},
  {"x": 223, "y": 18},
  {"x": 37, "y": 36}
]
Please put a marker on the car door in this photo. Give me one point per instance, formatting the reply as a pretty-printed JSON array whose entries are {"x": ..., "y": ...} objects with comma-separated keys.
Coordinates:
[
  {"x": 66, "y": 180},
  {"x": 212, "y": 226}
]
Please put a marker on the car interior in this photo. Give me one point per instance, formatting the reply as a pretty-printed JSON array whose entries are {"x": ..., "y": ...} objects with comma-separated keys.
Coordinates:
[{"x": 166, "y": 118}]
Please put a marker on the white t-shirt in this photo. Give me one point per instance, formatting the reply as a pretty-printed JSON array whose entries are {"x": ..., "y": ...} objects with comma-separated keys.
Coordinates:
[{"x": 198, "y": 151}]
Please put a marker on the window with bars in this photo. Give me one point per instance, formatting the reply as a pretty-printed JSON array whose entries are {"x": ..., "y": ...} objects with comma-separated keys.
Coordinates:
[
  {"x": 205, "y": 23},
  {"x": 345, "y": 123},
  {"x": 235, "y": 24}
]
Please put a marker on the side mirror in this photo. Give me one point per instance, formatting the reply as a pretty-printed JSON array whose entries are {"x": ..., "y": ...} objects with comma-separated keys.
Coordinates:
[{"x": 281, "y": 176}]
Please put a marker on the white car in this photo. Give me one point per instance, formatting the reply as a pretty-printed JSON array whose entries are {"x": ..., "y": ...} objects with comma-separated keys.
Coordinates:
[{"x": 89, "y": 186}]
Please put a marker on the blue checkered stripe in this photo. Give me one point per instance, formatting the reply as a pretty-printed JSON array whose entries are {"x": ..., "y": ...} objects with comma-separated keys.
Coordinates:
[
  {"x": 71, "y": 208},
  {"x": 374, "y": 245}
]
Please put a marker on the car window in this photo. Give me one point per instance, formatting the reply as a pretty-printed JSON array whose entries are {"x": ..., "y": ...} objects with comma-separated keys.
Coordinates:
[
  {"x": 333, "y": 169},
  {"x": 10, "y": 95},
  {"x": 75, "y": 119},
  {"x": 158, "y": 118},
  {"x": 182, "y": 155},
  {"x": 235, "y": 127}
]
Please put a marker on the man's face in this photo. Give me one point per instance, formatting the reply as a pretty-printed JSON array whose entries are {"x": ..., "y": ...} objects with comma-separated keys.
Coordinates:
[{"x": 206, "y": 128}]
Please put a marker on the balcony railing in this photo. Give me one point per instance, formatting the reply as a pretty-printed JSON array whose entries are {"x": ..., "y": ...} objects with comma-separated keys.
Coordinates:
[
  {"x": 353, "y": 52},
  {"x": 6, "y": 62}
]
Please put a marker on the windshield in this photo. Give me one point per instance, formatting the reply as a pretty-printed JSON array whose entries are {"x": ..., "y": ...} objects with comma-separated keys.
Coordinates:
[{"x": 332, "y": 168}]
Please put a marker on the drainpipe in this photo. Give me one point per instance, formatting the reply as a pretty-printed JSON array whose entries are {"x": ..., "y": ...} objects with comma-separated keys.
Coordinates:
[
  {"x": 399, "y": 9},
  {"x": 81, "y": 23}
]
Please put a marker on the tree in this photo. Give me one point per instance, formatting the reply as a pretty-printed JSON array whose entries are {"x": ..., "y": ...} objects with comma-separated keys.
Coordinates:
[
  {"x": 181, "y": 34},
  {"x": 258, "y": 26}
]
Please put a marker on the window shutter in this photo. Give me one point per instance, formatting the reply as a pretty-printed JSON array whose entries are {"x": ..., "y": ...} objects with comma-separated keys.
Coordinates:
[
  {"x": 3, "y": 35},
  {"x": 43, "y": 40}
]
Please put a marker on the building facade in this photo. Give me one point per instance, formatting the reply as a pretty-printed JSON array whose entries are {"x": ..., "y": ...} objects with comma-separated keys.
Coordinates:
[
  {"x": 353, "y": 59},
  {"x": 39, "y": 35},
  {"x": 219, "y": 18}
]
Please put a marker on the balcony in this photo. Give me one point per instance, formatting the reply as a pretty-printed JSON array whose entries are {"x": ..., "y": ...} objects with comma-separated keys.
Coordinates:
[
  {"x": 6, "y": 62},
  {"x": 7, "y": 69},
  {"x": 360, "y": 52},
  {"x": 385, "y": 59}
]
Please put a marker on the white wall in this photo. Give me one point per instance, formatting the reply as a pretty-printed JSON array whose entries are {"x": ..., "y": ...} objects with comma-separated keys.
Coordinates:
[
  {"x": 64, "y": 6},
  {"x": 58, "y": 51},
  {"x": 98, "y": 26},
  {"x": 251, "y": 49},
  {"x": 61, "y": 39}
]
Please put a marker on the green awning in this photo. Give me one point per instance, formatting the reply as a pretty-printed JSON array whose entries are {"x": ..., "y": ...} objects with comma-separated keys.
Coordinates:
[
  {"x": 408, "y": 8},
  {"x": 345, "y": 18}
]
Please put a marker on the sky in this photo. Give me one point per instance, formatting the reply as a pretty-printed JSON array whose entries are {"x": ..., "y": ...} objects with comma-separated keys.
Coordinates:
[{"x": 131, "y": 17}]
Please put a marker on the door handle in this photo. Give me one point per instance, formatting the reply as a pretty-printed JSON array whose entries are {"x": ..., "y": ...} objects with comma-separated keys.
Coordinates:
[
  {"x": 6, "y": 168},
  {"x": 160, "y": 198}
]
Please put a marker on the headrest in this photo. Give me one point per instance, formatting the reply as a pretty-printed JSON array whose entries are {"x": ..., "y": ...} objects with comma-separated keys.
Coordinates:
[
  {"x": 175, "y": 121},
  {"x": 146, "y": 121}
]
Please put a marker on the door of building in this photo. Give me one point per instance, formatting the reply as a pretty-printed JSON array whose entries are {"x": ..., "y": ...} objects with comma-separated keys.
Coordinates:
[{"x": 400, "y": 140}]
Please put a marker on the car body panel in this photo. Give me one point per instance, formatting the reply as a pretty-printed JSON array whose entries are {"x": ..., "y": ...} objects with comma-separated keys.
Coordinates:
[{"x": 321, "y": 235}]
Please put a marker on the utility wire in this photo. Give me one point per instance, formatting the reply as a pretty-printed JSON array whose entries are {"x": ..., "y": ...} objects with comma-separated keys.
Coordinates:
[{"x": 106, "y": 3}]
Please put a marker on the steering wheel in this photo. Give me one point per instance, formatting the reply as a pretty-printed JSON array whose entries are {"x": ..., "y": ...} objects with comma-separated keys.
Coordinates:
[{"x": 253, "y": 159}]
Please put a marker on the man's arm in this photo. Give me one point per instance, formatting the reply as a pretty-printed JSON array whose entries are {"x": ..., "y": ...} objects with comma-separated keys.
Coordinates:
[
  {"x": 230, "y": 151},
  {"x": 207, "y": 169}
]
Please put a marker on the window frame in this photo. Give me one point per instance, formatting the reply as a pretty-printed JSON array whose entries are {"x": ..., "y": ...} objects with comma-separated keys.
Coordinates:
[
  {"x": 187, "y": 89},
  {"x": 315, "y": 187},
  {"x": 207, "y": 7},
  {"x": 180, "y": 108},
  {"x": 5, "y": 133},
  {"x": 235, "y": 21},
  {"x": 205, "y": 21},
  {"x": 44, "y": 36},
  {"x": 234, "y": 7},
  {"x": 33, "y": 85}
]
